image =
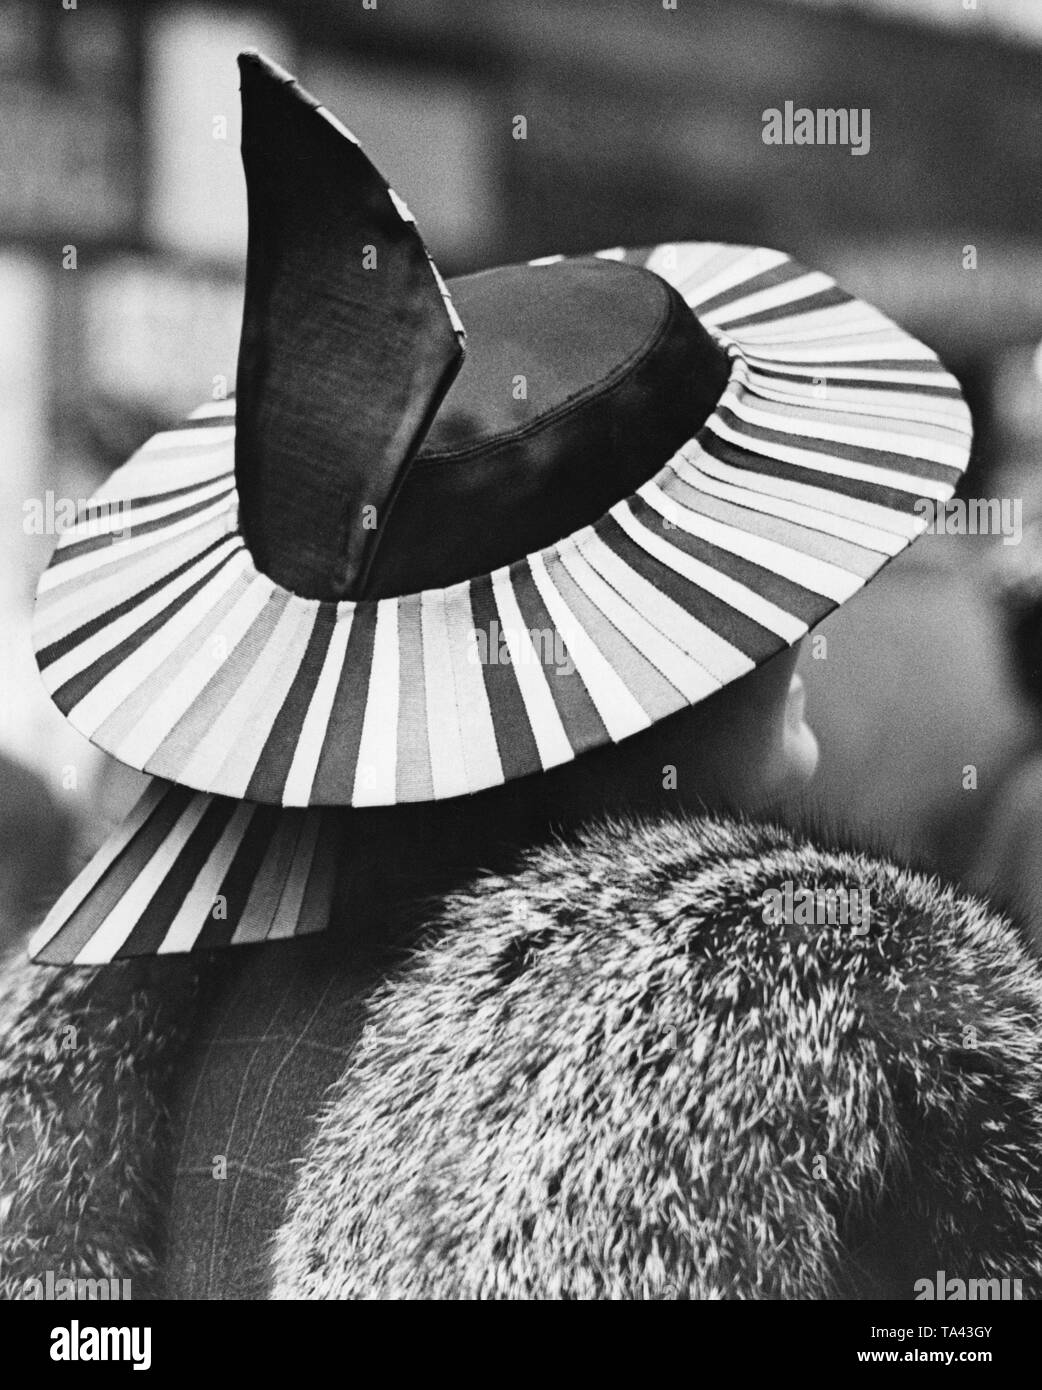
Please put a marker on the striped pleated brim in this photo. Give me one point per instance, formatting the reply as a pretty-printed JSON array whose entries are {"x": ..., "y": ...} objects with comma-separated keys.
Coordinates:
[
  {"x": 190, "y": 871},
  {"x": 162, "y": 643}
]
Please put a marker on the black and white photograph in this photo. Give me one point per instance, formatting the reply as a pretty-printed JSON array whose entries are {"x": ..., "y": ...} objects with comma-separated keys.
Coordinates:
[{"x": 521, "y": 633}]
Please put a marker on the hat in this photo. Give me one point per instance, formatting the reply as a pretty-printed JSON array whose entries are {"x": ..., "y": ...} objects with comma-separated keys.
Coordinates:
[{"x": 407, "y": 563}]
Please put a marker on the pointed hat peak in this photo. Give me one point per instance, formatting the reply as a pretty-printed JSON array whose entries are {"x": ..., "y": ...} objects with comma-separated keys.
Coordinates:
[
  {"x": 349, "y": 342},
  {"x": 254, "y": 58}
]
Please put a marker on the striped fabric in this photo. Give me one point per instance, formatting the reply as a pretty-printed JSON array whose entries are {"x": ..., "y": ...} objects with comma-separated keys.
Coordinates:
[
  {"x": 162, "y": 643},
  {"x": 190, "y": 871}
]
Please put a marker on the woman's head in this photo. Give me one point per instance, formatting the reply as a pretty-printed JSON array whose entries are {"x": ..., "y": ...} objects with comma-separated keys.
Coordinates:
[{"x": 741, "y": 750}]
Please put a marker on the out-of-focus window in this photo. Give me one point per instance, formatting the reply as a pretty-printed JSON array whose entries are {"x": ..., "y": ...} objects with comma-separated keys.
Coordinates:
[
  {"x": 429, "y": 136},
  {"x": 196, "y": 198},
  {"x": 29, "y": 725},
  {"x": 68, "y": 133},
  {"x": 1017, "y": 19},
  {"x": 159, "y": 337}
]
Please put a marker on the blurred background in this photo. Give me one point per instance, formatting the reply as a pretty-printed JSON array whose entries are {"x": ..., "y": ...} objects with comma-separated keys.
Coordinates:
[{"x": 122, "y": 239}]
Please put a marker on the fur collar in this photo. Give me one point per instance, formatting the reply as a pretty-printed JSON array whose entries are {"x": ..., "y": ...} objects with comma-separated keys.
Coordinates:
[
  {"x": 604, "y": 1075},
  {"x": 84, "y": 1060}
]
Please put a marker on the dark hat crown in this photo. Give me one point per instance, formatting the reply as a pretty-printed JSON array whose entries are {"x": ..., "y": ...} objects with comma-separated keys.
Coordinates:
[
  {"x": 582, "y": 378},
  {"x": 366, "y": 467}
]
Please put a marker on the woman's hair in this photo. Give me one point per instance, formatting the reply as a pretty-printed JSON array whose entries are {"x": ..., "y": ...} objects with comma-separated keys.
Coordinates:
[
  {"x": 396, "y": 859},
  {"x": 396, "y": 855},
  {"x": 705, "y": 757}
]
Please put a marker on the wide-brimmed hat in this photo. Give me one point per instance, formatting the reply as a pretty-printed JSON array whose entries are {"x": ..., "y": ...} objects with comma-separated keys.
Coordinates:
[{"x": 405, "y": 563}]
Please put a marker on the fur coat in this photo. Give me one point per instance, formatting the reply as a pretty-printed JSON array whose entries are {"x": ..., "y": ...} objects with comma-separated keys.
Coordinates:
[{"x": 608, "y": 1074}]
